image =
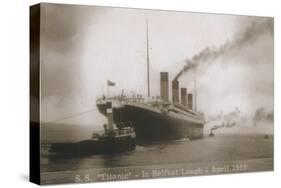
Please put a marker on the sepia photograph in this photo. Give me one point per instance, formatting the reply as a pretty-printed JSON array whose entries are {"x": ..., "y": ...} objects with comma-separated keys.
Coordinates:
[{"x": 135, "y": 93}]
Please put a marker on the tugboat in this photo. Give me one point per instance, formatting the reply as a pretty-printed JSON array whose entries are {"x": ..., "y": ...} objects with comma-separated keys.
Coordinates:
[{"x": 114, "y": 140}]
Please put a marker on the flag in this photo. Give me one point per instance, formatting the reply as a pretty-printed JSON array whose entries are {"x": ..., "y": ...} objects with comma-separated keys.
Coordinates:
[{"x": 110, "y": 83}]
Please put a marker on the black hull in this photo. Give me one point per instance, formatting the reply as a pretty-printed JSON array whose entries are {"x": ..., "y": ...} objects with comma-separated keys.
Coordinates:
[
  {"x": 153, "y": 125},
  {"x": 92, "y": 147}
]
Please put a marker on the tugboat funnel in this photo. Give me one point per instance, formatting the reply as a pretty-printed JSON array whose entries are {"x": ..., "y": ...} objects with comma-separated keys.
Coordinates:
[{"x": 109, "y": 117}]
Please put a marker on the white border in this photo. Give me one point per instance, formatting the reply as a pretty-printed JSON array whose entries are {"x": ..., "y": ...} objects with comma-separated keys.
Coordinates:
[{"x": 14, "y": 82}]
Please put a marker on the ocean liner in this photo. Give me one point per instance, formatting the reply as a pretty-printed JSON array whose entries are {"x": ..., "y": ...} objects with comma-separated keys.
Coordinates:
[{"x": 157, "y": 118}]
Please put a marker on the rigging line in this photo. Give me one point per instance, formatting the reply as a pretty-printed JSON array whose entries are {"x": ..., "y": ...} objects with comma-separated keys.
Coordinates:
[{"x": 71, "y": 116}]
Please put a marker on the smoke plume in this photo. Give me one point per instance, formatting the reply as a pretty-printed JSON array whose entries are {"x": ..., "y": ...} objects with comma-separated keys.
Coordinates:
[
  {"x": 253, "y": 30},
  {"x": 261, "y": 120}
]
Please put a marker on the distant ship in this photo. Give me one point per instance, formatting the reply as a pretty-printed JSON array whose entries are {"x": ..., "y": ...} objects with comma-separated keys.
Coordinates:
[
  {"x": 157, "y": 118},
  {"x": 211, "y": 134}
]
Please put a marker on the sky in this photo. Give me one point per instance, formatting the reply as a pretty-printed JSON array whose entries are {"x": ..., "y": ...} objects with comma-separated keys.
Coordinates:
[{"x": 83, "y": 46}]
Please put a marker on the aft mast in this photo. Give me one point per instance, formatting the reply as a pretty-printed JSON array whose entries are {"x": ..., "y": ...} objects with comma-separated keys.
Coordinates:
[{"x": 147, "y": 60}]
